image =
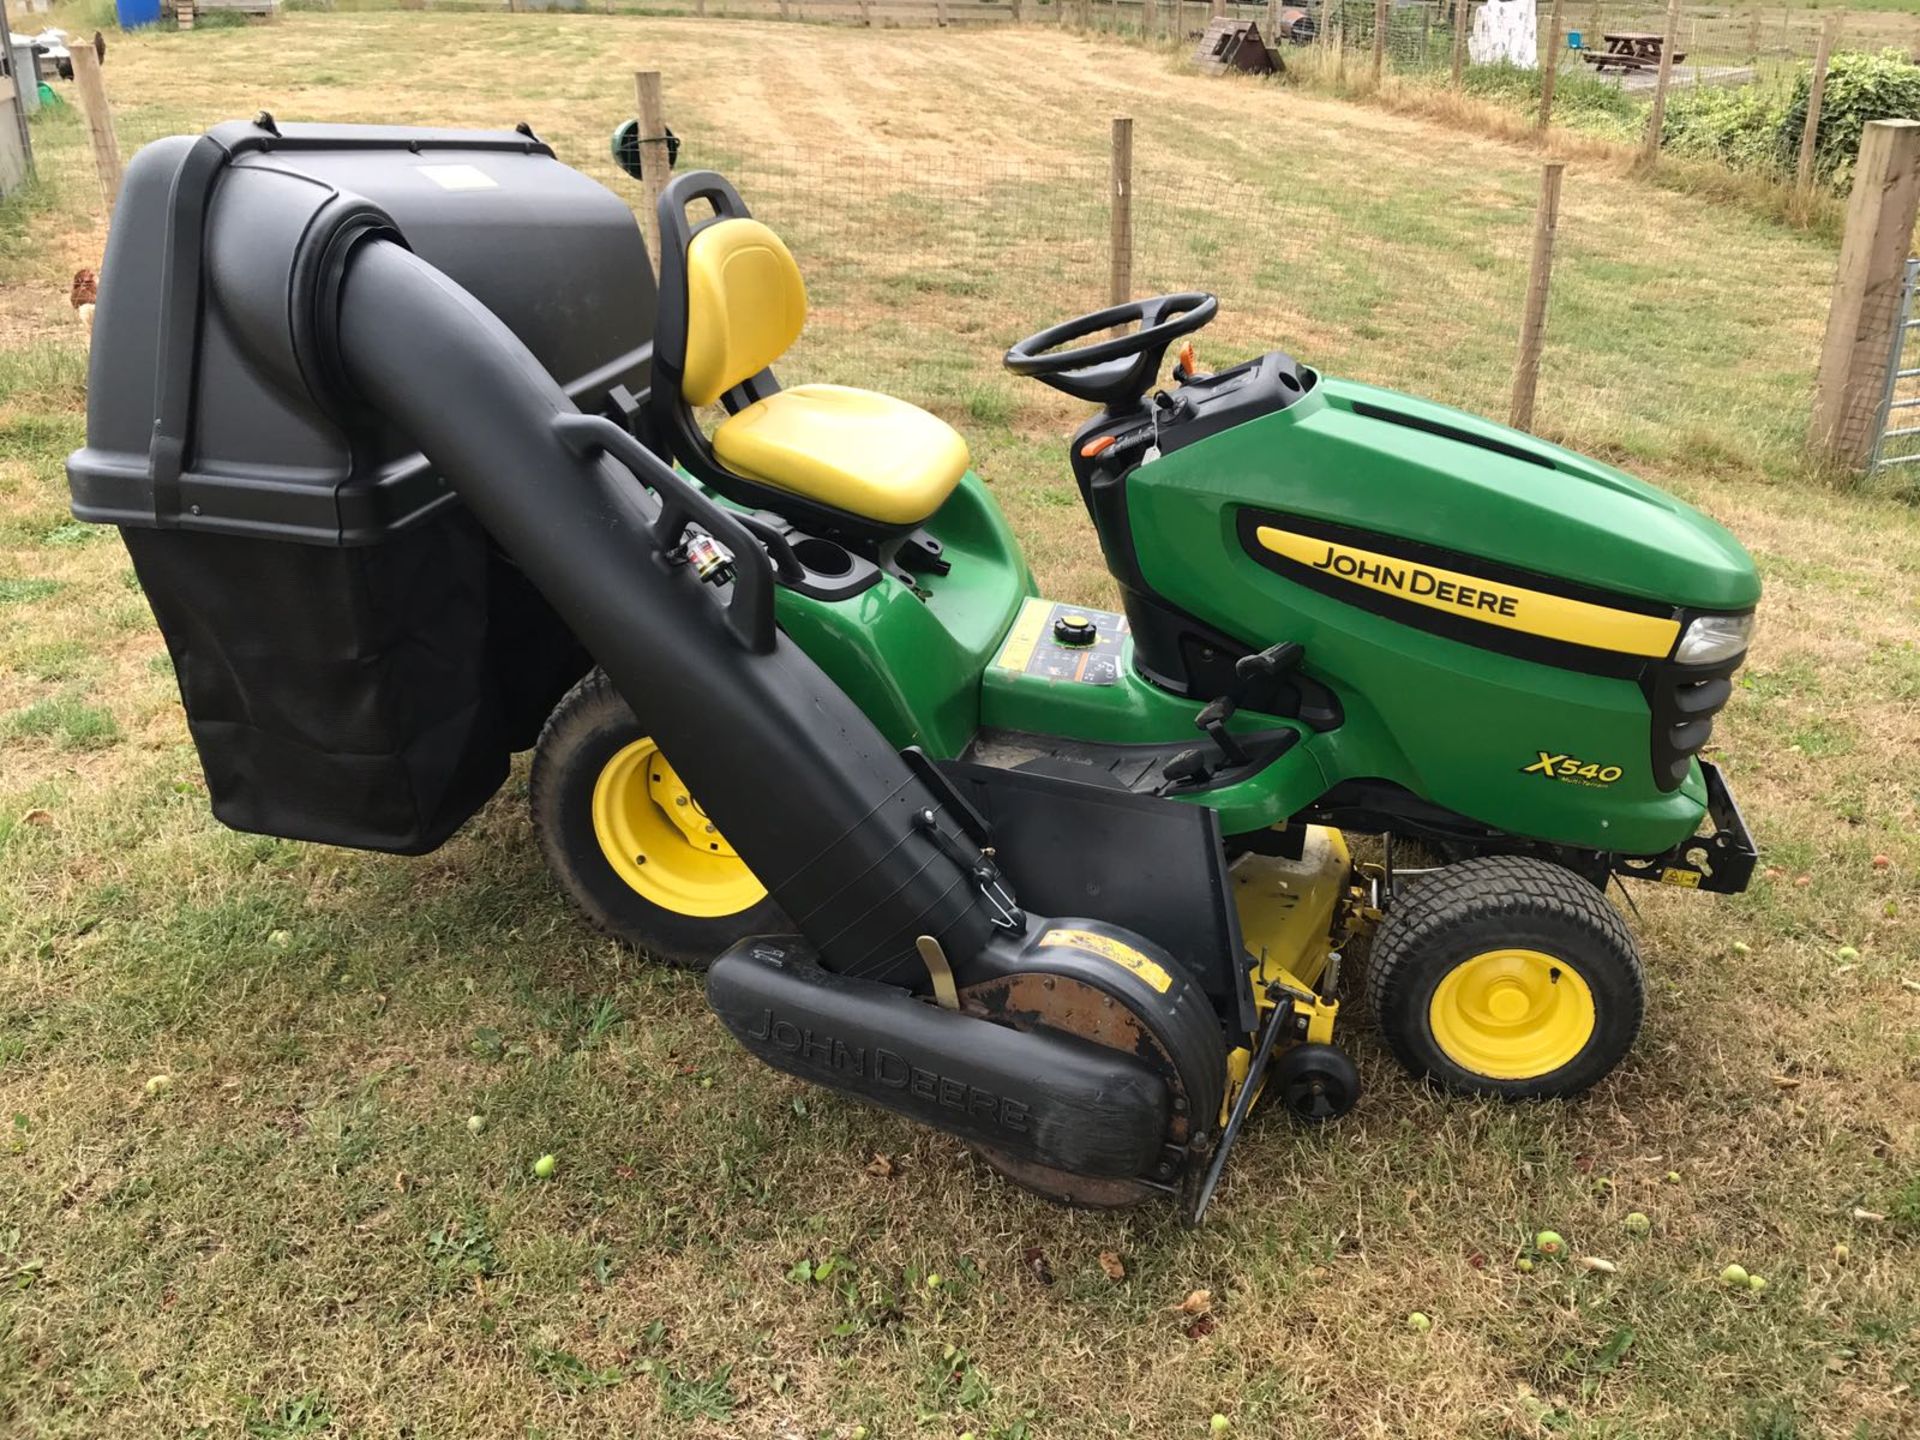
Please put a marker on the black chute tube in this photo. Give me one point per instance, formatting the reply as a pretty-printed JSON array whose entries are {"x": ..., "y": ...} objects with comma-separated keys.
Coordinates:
[{"x": 804, "y": 787}]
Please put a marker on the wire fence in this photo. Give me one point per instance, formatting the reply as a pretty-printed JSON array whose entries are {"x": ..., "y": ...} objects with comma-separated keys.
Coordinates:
[{"x": 1667, "y": 326}]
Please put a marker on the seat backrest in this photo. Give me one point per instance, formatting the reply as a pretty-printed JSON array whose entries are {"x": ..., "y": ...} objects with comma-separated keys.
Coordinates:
[{"x": 746, "y": 304}]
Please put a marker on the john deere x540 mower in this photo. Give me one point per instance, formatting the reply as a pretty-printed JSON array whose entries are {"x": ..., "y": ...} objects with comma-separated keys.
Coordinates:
[{"x": 419, "y": 468}]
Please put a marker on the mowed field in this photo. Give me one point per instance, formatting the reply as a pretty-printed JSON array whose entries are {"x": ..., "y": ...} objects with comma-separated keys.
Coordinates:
[{"x": 301, "y": 1235}]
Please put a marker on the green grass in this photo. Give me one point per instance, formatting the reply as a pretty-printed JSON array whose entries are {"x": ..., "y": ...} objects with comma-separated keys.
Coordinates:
[{"x": 300, "y": 1235}]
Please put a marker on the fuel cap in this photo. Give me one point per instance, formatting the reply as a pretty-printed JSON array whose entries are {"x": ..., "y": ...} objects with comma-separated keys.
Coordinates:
[{"x": 1073, "y": 629}]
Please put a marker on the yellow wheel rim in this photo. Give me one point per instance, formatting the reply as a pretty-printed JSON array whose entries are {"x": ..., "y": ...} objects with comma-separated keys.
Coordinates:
[
  {"x": 661, "y": 844},
  {"x": 1512, "y": 1014}
]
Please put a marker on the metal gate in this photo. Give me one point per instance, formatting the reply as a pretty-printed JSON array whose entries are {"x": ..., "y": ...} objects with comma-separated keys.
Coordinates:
[
  {"x": 16, "y": 148},
  {"x": 1898, "y": 434}
]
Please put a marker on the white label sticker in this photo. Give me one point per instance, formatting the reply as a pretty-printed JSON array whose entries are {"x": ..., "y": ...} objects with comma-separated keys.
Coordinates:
[{"x": 459, "y": 177}]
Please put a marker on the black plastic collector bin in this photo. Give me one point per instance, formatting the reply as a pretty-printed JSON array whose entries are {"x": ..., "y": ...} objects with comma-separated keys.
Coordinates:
[{"x": 357, "y": 659}]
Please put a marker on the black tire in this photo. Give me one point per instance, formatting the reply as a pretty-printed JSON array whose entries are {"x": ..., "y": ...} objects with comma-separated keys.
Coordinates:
[
  {"x": 1467, "y": 912},
  {"x": 588, "y": 728},
  {"x": 1314, "y": 1083}
]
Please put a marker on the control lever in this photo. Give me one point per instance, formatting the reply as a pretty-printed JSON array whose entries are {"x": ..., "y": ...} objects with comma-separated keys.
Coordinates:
[
  {"x": 1271, "y": 662},
  {"x": 1213, "y": 719}
]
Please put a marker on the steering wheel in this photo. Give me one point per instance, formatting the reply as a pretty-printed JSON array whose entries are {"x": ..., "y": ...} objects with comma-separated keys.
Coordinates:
[{"x": 1114, "y": 372}]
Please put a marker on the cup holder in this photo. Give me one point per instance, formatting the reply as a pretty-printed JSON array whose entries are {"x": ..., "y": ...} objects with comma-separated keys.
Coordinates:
[{"x": 823, "y": 557}]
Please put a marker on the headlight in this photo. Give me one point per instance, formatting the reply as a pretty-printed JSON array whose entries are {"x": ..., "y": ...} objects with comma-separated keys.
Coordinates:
[{"x": 1711, "y": 639}]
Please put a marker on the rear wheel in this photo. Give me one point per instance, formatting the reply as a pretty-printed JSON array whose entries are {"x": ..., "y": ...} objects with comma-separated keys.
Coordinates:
[
  {"x": 1506, "y": 976},
  {"x": 630, "y": 844}
]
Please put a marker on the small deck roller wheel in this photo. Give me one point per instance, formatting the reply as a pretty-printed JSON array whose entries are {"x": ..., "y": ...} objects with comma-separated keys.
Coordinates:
[
  {"x": 1506, "y": 976},
  {"x": 630, "y": 844}
]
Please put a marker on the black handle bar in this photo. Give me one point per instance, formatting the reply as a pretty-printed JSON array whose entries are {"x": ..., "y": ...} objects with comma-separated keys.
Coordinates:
[{"x": 749, "y": 613}]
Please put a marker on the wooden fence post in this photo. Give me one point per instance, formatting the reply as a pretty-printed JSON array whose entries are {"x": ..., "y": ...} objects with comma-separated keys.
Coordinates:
[
  {"x": 93, "y": 99},
  {"x": 1462, "y": 22},
  {"x": 1753, "y": 37},
  {"x": 1816, "y": 96},
  {"x": 1379, "y": 38},
  {"x": 1657, "y": 116},
  {"x": 1866, "y": 292},
  {"x": 1217, "y": 10},
  {"x": 940, "y": 13},
  {"x": 1120, "y": 205},
  {"x": 1533, "y": 322},
  {"x": 1549, "y": 69},
  {"x": 653, "y": 152}
]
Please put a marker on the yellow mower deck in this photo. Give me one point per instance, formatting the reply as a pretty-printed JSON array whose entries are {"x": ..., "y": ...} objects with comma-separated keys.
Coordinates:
[{"x": 1294, "y": 916}]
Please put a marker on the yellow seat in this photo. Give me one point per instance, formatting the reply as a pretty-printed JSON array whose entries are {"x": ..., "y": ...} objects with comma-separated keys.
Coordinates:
[
  {"x": 858, "y": 451},
  {"x": 855, "y": 451}
]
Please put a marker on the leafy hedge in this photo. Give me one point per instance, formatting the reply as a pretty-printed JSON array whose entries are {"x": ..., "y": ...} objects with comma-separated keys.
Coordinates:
[
  {"x": 1740, "y": 127},
  {"x": 1757, "y": 128},
  {"x": 1860, "y": 87}
]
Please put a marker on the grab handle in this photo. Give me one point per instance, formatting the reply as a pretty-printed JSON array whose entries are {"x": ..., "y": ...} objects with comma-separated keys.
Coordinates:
[{"x": 749, "y": 613}]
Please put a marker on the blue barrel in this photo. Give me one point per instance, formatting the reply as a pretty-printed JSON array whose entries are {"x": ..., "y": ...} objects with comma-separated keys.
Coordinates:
[{"x": 135, "y": 13}]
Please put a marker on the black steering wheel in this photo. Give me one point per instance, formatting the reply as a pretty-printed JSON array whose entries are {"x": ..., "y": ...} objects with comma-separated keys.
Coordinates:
[{"x": 1114, "y": 372}]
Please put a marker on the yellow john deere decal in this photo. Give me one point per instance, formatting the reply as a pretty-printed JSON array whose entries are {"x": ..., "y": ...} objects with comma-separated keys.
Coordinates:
[
  {"x": 1118, "y": 951},
  {"x": 1491, "y": 602}
]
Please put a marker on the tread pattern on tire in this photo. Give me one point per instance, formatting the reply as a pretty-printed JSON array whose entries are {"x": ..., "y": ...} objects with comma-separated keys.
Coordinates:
[
  {"x": 686, "y": 942},
  {"x": 1494, "y": 888}
]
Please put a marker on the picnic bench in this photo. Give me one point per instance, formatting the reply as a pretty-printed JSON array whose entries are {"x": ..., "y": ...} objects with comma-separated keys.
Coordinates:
[{"x": 1628, "y": 51}]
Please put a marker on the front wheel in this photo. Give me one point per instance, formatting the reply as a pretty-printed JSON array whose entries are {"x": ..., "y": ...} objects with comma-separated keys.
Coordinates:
[
  {"x": 1506, "y": 976},
  {"x": 630, "y": 844}
]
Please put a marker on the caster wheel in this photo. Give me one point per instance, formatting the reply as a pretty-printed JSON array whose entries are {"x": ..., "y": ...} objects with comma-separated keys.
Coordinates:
[
  {"x": 1506, "y": 976},
  {"x": 630, "y": 844},
  {"x": 1315, "y": 1083}
]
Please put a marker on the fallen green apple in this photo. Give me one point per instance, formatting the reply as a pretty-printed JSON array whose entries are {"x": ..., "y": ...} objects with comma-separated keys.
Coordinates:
[
  {"x": 1219, "y": 1423},
  {"x": 1734, "y": 1275},
  {"x": 476, "y": 1123},
  {"x": 1548, "y": 1242},
  {"x": 1419, "y": 1323},
  {"x": 1637, "y": 1224},
  {"x": 544, "y": 1167}
]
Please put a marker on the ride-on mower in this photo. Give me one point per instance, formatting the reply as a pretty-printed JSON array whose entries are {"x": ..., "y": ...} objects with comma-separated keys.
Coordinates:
[{"x": 406, "y": 448}]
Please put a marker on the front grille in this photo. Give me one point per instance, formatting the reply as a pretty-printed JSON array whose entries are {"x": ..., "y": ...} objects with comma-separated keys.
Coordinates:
[{"x": 1684, "y": 699}]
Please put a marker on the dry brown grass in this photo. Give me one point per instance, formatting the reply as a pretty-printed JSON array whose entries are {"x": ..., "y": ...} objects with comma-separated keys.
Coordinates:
[{"x": 300, "y": 1236}]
